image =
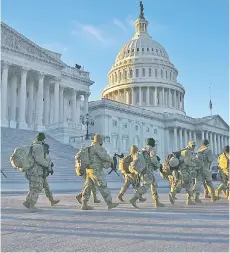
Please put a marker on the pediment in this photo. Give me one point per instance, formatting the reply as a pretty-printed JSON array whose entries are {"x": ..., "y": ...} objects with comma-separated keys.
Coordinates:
[
  {"x": 16, "y": 42},
  {"x": 217, "y": 121}
]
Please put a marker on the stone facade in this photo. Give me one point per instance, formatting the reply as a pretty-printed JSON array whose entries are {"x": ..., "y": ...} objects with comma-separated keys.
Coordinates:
[{"x": 38, "y": 90}]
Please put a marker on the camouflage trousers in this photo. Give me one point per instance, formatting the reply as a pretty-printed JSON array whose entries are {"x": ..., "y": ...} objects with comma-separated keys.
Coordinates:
[
  {"x": 148, "y": 181},
  {"x": 224, "y": 182},
  {"x": 130, "y": 179},
  {"x": 185, "y": 181},
  {"x": 93, "y": 188},
  {"x": 96, "y": 178},
  {"x": 203, "y": 176},
  {"x": 174, "y": 179},
  {"x": 36, "y": 185}
]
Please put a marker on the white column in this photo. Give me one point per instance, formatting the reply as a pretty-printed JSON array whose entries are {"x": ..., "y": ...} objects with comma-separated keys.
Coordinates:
[
  {"x": 170, "y": 98},
  {"x": 74, "y": 115},
  {"x": 39, "y": 106},
  {"x": 163, "y": 96},
  {"x": 61, "y": 105},
  {"x": 167, "y": 136},
  {"x": 22, "y": 110},
  {"x": 31, "y": 102},
  {"x": 78, "y": 110},
  {"x": 13, "y": 101},
  {"x": 202, "y": 135},
  {"x": 86, "y": 103},
  {"x": 140, "y": 96},
  {"x": 175, "y": 139},
  {"x": 215, "y": 146},
  {"x": 190, "y": 136},
  {"x": 218, "y": 144},
  {"x": 56, "y": 100},
  {"x": 174, "y": 93},
  {"x": 46, "y": 104},
  {"x": 155, "y": 96},
  {"x": 148, "y": 103},
  {"x": 185, "y": 137},
  {"x": 4, "y": 94},
  {"x": 194, "y": 136},
  {"x": 211, "y": 142},
  {"x": 206, "y": 135},
  {"x": 180, "y": 140},
  {"x": 133, "y": 96}
]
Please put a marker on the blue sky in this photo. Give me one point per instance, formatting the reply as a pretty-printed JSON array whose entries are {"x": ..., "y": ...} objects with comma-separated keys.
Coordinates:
[{"x": 91, "y": 33}]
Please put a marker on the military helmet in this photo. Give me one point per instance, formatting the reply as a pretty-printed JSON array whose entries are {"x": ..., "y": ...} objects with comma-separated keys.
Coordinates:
[
  {"x": 226, "y": 149},
  {"x": 40, "y": 137},
  {"x": 191, "y": 144},
  {"x": 173, "y": 162},
  {"x": 98, "y": 139},
  {"x": 151, "y": 142},
  {"x": 205, "y": 142},
  {"x": 133, "y": 149}
]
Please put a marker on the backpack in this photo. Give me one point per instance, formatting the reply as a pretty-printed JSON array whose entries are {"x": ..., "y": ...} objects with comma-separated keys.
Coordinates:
[
  {"x": 124, "y": 164},
  {"x": 22, "y": 158},
  {"x": 223, "y": 161},
  {"x": 82, "y": 161},
  {"x": 139, "y": 162}
]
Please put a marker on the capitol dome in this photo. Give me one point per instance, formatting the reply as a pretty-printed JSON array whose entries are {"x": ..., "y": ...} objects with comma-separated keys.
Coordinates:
[{"x": 143, "y": 75}]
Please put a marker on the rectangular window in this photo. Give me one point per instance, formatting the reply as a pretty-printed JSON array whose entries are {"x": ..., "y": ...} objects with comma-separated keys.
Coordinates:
[
  {"x": 155, "y": 72},
  {"x": 137, "y": 72}
]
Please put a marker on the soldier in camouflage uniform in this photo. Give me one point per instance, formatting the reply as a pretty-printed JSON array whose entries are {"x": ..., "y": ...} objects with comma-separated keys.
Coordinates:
[
  {"x": 205, "y": 158},
  {"x": 46, "y": 172},
  {"x": 99, "y": 159},
  {"x": 147, "y": 176},
  {"x": 130, "y": 178},
  {"x": 186, "y": 167},
  {"x": 35, "y": 173},
  {"x": 223, "y": 163}
]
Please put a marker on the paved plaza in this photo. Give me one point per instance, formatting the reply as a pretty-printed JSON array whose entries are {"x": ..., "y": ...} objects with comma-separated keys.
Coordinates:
[{"x": 66, "y": 228}]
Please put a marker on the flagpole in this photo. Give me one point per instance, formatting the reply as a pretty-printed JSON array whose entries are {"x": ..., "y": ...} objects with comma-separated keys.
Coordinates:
[{"x": 210, "y": 102}]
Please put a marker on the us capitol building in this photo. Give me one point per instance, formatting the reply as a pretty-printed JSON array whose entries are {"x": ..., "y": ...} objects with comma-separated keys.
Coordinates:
[{"x": 142, "y": 98}]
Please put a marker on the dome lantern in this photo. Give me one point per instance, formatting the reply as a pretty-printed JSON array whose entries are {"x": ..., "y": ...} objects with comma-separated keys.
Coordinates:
[{"x": 141, "y": 23}]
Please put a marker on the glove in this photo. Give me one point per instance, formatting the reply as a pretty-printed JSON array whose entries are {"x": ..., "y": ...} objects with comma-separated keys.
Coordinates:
[
  {"x": 158, "y": 159},
  {"x": 161, "y": 169}
]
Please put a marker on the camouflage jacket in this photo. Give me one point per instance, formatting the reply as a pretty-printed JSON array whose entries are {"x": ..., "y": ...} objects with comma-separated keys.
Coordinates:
[
  {"x": 39, "y": 160},
  {"x": 99, "y": 157}
]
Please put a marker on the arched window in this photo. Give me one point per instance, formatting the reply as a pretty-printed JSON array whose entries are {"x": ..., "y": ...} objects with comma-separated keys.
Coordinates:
[
  {"x": 170, "y": 75},
  {"x": 137, "y": 72},
  {"x": 115, "y": 77},
  {"x": 150, "y": 72},
  {"x": 155, "y": 72},
  {"x": 161, "y": 73},
  {"x": 166, "y": 74},
  {"x": 130, "y": 73},
  {"x": 143, "y": 72}
]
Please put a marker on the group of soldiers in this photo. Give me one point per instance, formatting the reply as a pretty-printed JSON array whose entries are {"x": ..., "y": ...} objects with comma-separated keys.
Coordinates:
[{"x": 183, "y": 169}]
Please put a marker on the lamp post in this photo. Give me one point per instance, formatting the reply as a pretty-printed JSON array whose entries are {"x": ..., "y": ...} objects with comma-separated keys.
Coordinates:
[{"x": 88, "y": 122}]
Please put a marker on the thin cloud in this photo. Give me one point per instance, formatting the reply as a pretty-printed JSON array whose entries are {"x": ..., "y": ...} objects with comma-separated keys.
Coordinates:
[
  {"x": 130, "y": 21},
  {"x": 55, "y": 47},
  {"x": 81, "y": 29},
  {"x": 120, "y": 24}
]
